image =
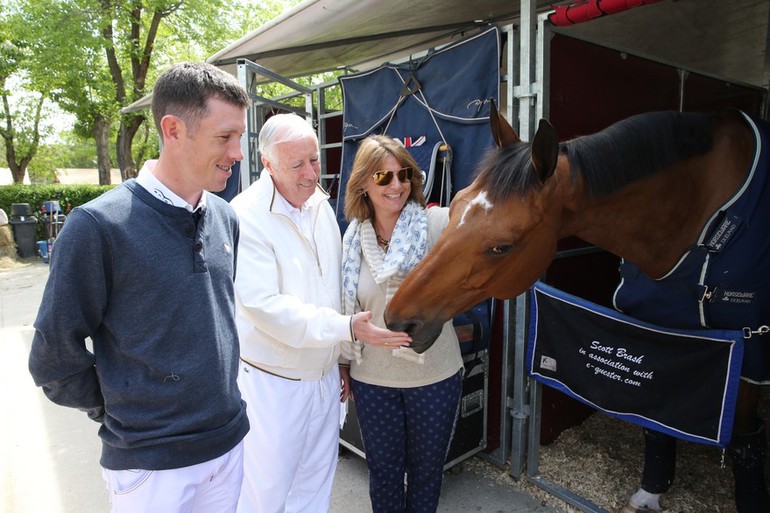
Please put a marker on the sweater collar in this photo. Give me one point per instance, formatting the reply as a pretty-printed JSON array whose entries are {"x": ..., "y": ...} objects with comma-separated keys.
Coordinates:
[{"x": 147, "y": 179}]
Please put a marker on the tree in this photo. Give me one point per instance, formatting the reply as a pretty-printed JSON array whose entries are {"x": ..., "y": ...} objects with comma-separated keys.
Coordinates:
[
  {"x": 196, "y": 28},
  {"x": 93, "y": 57},
  {"x": 68, "y": 59},
  {"x": 21, "y": 114},
  {"x": 20, "y": 131}
]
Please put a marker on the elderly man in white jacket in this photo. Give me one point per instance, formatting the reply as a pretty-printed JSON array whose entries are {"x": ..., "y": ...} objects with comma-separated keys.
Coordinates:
[{"x": 287, "y": 291}]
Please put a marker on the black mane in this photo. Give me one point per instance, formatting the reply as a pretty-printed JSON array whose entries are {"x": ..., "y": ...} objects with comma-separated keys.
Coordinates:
[{"x": 607, "y": 160}]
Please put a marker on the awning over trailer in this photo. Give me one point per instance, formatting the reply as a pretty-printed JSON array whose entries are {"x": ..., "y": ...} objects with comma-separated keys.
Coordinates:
[
  {"x": 728, "y": 39},
  {"x": 324, "y": 35}
]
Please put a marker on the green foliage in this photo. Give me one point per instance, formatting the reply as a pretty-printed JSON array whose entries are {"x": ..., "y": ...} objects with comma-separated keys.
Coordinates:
[
  {"x": 42, "y": 169},
  {"x": 71, "y": 150},
  {"x": 20, "y": 114},
  {"x": 13, "y": 52},
  {"x": 93, "y": 57},
  {"x": 74, "y": 151},
  {"x": 146, "y": 143},
  {"x": 64, "y": 38},
  {"x": 68, "y": 196},
  {"x": 247, "y": 16}
]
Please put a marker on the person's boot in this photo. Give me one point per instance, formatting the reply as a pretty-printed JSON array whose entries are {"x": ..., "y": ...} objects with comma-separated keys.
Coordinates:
[{"x": 748, "y": 458}]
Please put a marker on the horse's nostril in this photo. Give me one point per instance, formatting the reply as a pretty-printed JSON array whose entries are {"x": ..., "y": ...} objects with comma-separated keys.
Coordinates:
[
  {"x": 410, "y": 326},
  {"x": 413, "y": 327}
]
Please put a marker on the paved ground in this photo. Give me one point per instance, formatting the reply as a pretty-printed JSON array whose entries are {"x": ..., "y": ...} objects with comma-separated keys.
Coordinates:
[{"x": 49, "y": 455}]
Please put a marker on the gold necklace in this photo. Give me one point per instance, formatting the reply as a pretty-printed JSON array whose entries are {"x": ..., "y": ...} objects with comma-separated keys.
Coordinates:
[{"x": 382, "y": 242}]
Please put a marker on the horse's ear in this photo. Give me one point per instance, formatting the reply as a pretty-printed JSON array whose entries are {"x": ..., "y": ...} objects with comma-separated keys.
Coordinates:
[
  {"x": 545, "y": 150},
  {"x": 502, "y": 132}
]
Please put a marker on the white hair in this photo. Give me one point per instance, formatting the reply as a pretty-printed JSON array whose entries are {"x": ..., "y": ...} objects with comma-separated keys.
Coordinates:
[{"x": 282, "y": 128}]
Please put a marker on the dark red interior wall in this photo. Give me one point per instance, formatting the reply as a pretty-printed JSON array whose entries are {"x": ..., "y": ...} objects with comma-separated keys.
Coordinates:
[
  {"x": 593, "y": 86},
  {"x": 703, "y": 93}
]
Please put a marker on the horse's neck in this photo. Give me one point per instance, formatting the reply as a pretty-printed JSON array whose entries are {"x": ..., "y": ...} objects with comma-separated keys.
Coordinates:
[{"x": 653, "y": 221}]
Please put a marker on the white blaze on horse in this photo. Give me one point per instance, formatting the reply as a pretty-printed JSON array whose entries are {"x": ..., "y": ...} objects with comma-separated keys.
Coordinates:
[{"x": 662, "y": 190}]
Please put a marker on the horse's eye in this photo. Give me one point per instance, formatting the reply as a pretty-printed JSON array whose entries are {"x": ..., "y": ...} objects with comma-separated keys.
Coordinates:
[{"x": 500, "y": 249}]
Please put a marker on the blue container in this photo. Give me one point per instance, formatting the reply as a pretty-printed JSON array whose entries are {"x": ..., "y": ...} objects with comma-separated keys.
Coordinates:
[
  {"x": 42, "y": 246},
  {"x": 51, "y": 207}
]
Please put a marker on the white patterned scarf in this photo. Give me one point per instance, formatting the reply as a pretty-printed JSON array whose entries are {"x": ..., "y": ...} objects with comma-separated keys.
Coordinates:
[{"x": 408, "y": 245}]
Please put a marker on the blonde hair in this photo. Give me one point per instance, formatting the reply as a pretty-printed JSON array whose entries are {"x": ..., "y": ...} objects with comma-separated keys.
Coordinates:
[{"x": 371, "y": 153}]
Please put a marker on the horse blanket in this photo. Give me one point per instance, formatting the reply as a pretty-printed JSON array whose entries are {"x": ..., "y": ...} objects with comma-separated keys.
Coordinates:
[
  {"x": 723, "y": 280},
  {"x": 625, "y": 367},
  {"x": 440, "y": 98}
]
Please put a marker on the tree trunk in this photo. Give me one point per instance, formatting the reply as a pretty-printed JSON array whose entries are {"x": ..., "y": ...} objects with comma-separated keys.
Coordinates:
[
  {"x": 17, "y": 172},
  {"x": 129, "y": 125},
  {"x": 102, "y": 136}
]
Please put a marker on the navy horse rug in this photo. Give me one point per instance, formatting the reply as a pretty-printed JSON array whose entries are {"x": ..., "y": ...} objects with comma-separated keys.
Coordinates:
[
  {"x": 723, "y": 281},
  {"x": 633, "y": 370}
]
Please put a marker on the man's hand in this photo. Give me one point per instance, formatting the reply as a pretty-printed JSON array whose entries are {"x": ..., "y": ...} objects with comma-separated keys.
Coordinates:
[
  {"x": 367, "y": 332},
  {"x": 346, "y": 391}
]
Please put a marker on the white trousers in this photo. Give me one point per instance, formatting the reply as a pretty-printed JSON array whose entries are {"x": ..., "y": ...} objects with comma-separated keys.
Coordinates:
[
  {"x": 290, "y": 452},
  {"x": 209, "y": 487}
]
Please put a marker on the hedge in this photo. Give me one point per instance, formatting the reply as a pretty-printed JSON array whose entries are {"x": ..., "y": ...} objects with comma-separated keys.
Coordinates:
[{"x": 68, "y": 196}]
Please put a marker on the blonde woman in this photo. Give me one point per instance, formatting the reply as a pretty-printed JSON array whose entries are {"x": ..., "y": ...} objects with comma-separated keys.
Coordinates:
[{"x": 397, "y": 391}]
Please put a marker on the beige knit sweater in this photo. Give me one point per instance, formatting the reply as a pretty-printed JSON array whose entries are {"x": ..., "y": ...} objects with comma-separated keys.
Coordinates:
[{"x": 378, "y": 365}]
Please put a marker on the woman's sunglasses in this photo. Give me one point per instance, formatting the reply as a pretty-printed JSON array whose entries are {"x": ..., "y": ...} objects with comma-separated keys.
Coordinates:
[{"x": 384, "y": 177}]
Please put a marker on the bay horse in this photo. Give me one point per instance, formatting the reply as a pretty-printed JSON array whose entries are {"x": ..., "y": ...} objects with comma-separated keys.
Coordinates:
[{"x": 654, "y": 189}]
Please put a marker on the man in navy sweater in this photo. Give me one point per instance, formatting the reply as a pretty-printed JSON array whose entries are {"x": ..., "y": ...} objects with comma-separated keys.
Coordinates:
[{"x": 146, "y": 272}]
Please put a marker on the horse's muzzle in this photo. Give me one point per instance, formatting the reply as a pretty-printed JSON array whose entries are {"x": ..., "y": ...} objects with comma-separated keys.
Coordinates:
[{"x": 423, "y": 335}]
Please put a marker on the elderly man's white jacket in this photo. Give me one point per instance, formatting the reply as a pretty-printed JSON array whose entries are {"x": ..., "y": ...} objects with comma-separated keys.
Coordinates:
[{"x": 288, "y": 293}]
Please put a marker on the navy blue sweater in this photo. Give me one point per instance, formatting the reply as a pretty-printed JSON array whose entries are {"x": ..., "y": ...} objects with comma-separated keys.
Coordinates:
[{"x": 155, "y": 295}]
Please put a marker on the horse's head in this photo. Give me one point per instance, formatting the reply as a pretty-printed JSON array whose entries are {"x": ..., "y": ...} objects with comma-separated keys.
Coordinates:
[{"x": 501, "y": 236}]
